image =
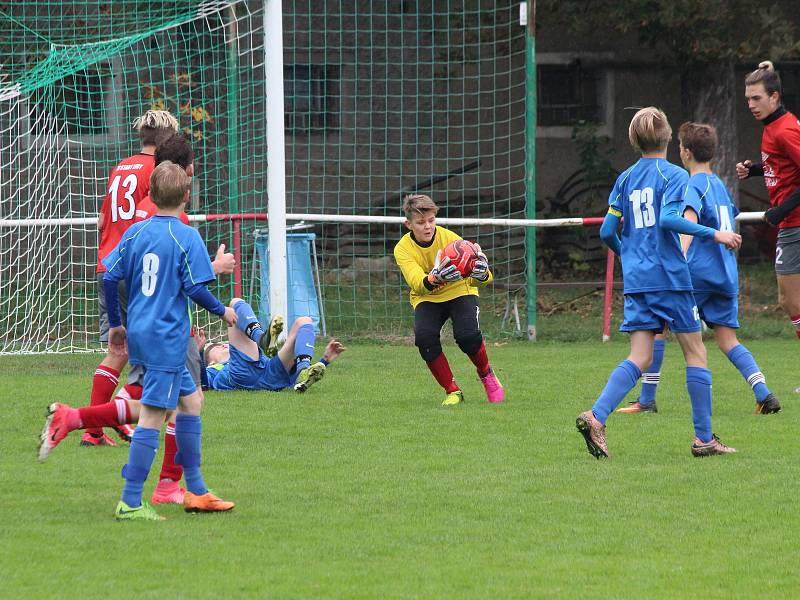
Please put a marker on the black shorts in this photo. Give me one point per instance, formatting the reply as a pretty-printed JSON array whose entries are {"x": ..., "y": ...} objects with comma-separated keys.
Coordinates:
[{"x": 464, "y": 312}]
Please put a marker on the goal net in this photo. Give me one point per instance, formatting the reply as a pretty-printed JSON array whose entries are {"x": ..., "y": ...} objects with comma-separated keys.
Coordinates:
[{"x": 381, "y": 99}]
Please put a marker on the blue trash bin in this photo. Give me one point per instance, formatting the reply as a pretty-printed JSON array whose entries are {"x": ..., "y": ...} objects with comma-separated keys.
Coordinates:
[{"x": 302, "y": 298}]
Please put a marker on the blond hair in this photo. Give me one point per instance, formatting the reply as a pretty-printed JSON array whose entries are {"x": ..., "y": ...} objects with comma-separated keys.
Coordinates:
[
  {"x": 169, "y": 184},
  {"x": 155, "y": 127},
  {"x": 418, "y": 204},
  {"x": 766, "y": 74},
  {"x": 649, "y": 130}
]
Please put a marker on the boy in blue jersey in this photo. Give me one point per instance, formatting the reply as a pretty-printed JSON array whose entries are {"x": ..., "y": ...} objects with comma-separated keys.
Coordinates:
[
  {"x": 245, "y": 363},
  {"x": 163, "y": 263},
  {"x": 713, "y": 268},
  {"x": 657, "y": 285}
]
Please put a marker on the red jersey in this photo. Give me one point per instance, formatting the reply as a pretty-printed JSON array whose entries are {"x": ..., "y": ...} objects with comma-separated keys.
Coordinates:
[
  {"x": 128, "y": 185},
  {"x": 780, "y": 158},
  {"x": 147, "y": 209}
]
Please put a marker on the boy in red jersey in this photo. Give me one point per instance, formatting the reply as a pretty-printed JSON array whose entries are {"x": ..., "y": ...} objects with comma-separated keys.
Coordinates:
[
  {"x": 780, "y": 167},
  {"x": 128, "y": 185}
]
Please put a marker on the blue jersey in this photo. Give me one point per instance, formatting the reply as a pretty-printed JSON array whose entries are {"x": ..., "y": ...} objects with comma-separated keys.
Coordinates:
[
  {"x": 651, "y": 257},
  {"x": 712, "y": 265},
  {"x": 160, "y": 259}
]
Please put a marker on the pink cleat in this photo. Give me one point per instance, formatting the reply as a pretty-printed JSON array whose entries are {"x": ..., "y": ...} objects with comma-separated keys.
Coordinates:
[
  {"x": 494, "y": 389},
  {"x": 61, "y": 419},
  {"x": 168, "y": 492}
]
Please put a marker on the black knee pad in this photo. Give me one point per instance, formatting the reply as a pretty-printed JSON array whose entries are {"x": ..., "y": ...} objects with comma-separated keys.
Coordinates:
[
  {"x": 429, "y": 346},
  {"x": 470, "y": 343}
]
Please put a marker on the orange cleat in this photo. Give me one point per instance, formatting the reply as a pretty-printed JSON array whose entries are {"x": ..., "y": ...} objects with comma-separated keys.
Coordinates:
[
  {"x": 208, "y": 502},
  {"x": 638, "y": 407}
]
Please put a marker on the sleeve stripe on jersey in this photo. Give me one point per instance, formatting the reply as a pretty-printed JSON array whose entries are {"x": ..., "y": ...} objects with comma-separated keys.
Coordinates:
[
  {"x": 708, "y": 187},
  {"x": 627, "y": 174},
  {"x": 185, "y": 255},
  {"x": 615, "y": 212},
  {"x": 126, "y": 240},
  {"x": 658, "y": 167}
]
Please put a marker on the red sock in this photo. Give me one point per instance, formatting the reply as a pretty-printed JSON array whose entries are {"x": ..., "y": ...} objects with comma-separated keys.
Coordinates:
[
  {"x": 481, "y": 361},
  {"x": 796, "y": 322},
  {"x": 441, "y": 371},
  {"x": 104, "y": 383},
  {"x": 169, "y": 469},
  {"x": 109, "y": 414}
]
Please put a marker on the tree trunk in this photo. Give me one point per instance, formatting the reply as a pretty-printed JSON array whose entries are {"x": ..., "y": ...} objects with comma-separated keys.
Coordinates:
[{"x": 709, "y": 94}]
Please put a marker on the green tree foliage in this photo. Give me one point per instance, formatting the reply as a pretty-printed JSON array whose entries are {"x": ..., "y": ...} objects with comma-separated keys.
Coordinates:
[
  {"x": 691, "y": 32},
  {"x": 704, "y": 39}
]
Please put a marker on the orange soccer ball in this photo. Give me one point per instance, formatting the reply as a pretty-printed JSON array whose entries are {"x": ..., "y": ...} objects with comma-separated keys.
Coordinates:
[{"x": 463, "y": 255}]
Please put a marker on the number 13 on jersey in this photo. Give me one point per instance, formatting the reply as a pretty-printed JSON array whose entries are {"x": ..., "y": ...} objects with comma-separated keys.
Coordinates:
[{"x": 644, "y": 215}]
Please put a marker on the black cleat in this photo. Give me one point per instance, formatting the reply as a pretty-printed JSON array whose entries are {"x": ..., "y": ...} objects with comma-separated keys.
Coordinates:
[{"x": 769, "y": 406}]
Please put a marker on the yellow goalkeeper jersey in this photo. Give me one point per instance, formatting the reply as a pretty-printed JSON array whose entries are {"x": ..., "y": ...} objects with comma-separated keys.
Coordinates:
[{"x": 416, "y": 261}]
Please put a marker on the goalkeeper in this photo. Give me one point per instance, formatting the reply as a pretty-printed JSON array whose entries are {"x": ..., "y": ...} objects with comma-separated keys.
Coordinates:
[{"x": 438, "y": 293}]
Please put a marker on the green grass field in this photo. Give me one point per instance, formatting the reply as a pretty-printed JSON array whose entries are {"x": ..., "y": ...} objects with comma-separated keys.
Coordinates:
[{"x": 366, "y": 488}]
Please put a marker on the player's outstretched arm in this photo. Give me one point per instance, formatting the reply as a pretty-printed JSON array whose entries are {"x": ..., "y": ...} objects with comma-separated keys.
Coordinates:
[{"x": 200, "y": 294}]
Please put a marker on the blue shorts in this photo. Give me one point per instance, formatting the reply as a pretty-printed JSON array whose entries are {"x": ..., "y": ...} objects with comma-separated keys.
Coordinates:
[
  {"x": 716, "y": 309},
  {"x": 651, "y": 311},
  {"x": 162, "y": 389},
  {"x": 243, "y": 373}
]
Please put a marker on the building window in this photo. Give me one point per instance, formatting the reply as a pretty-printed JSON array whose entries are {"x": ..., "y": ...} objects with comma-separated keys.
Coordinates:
[
  {"x": 311, "y": 97},
  {"x": 78, "y": 101},
  {"x": 568, "y": 93}
]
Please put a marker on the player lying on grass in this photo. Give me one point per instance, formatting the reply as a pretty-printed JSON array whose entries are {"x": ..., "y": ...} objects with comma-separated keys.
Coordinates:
[
  {"x": 438, "y": 293},
  {"x": 164, "y": 263},
  {"x": 176, "y": 148},
  {"x": 251, "y": 361},
  {"x": 658, "y": 287},
  {"x": 715, "y": 277},
  {"x": 232, "y": 366}
]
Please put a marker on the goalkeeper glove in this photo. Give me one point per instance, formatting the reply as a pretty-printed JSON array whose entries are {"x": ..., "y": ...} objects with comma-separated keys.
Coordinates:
[
  {"x": 443, "y": 271},
  {"x": 480, "y": 268}
]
